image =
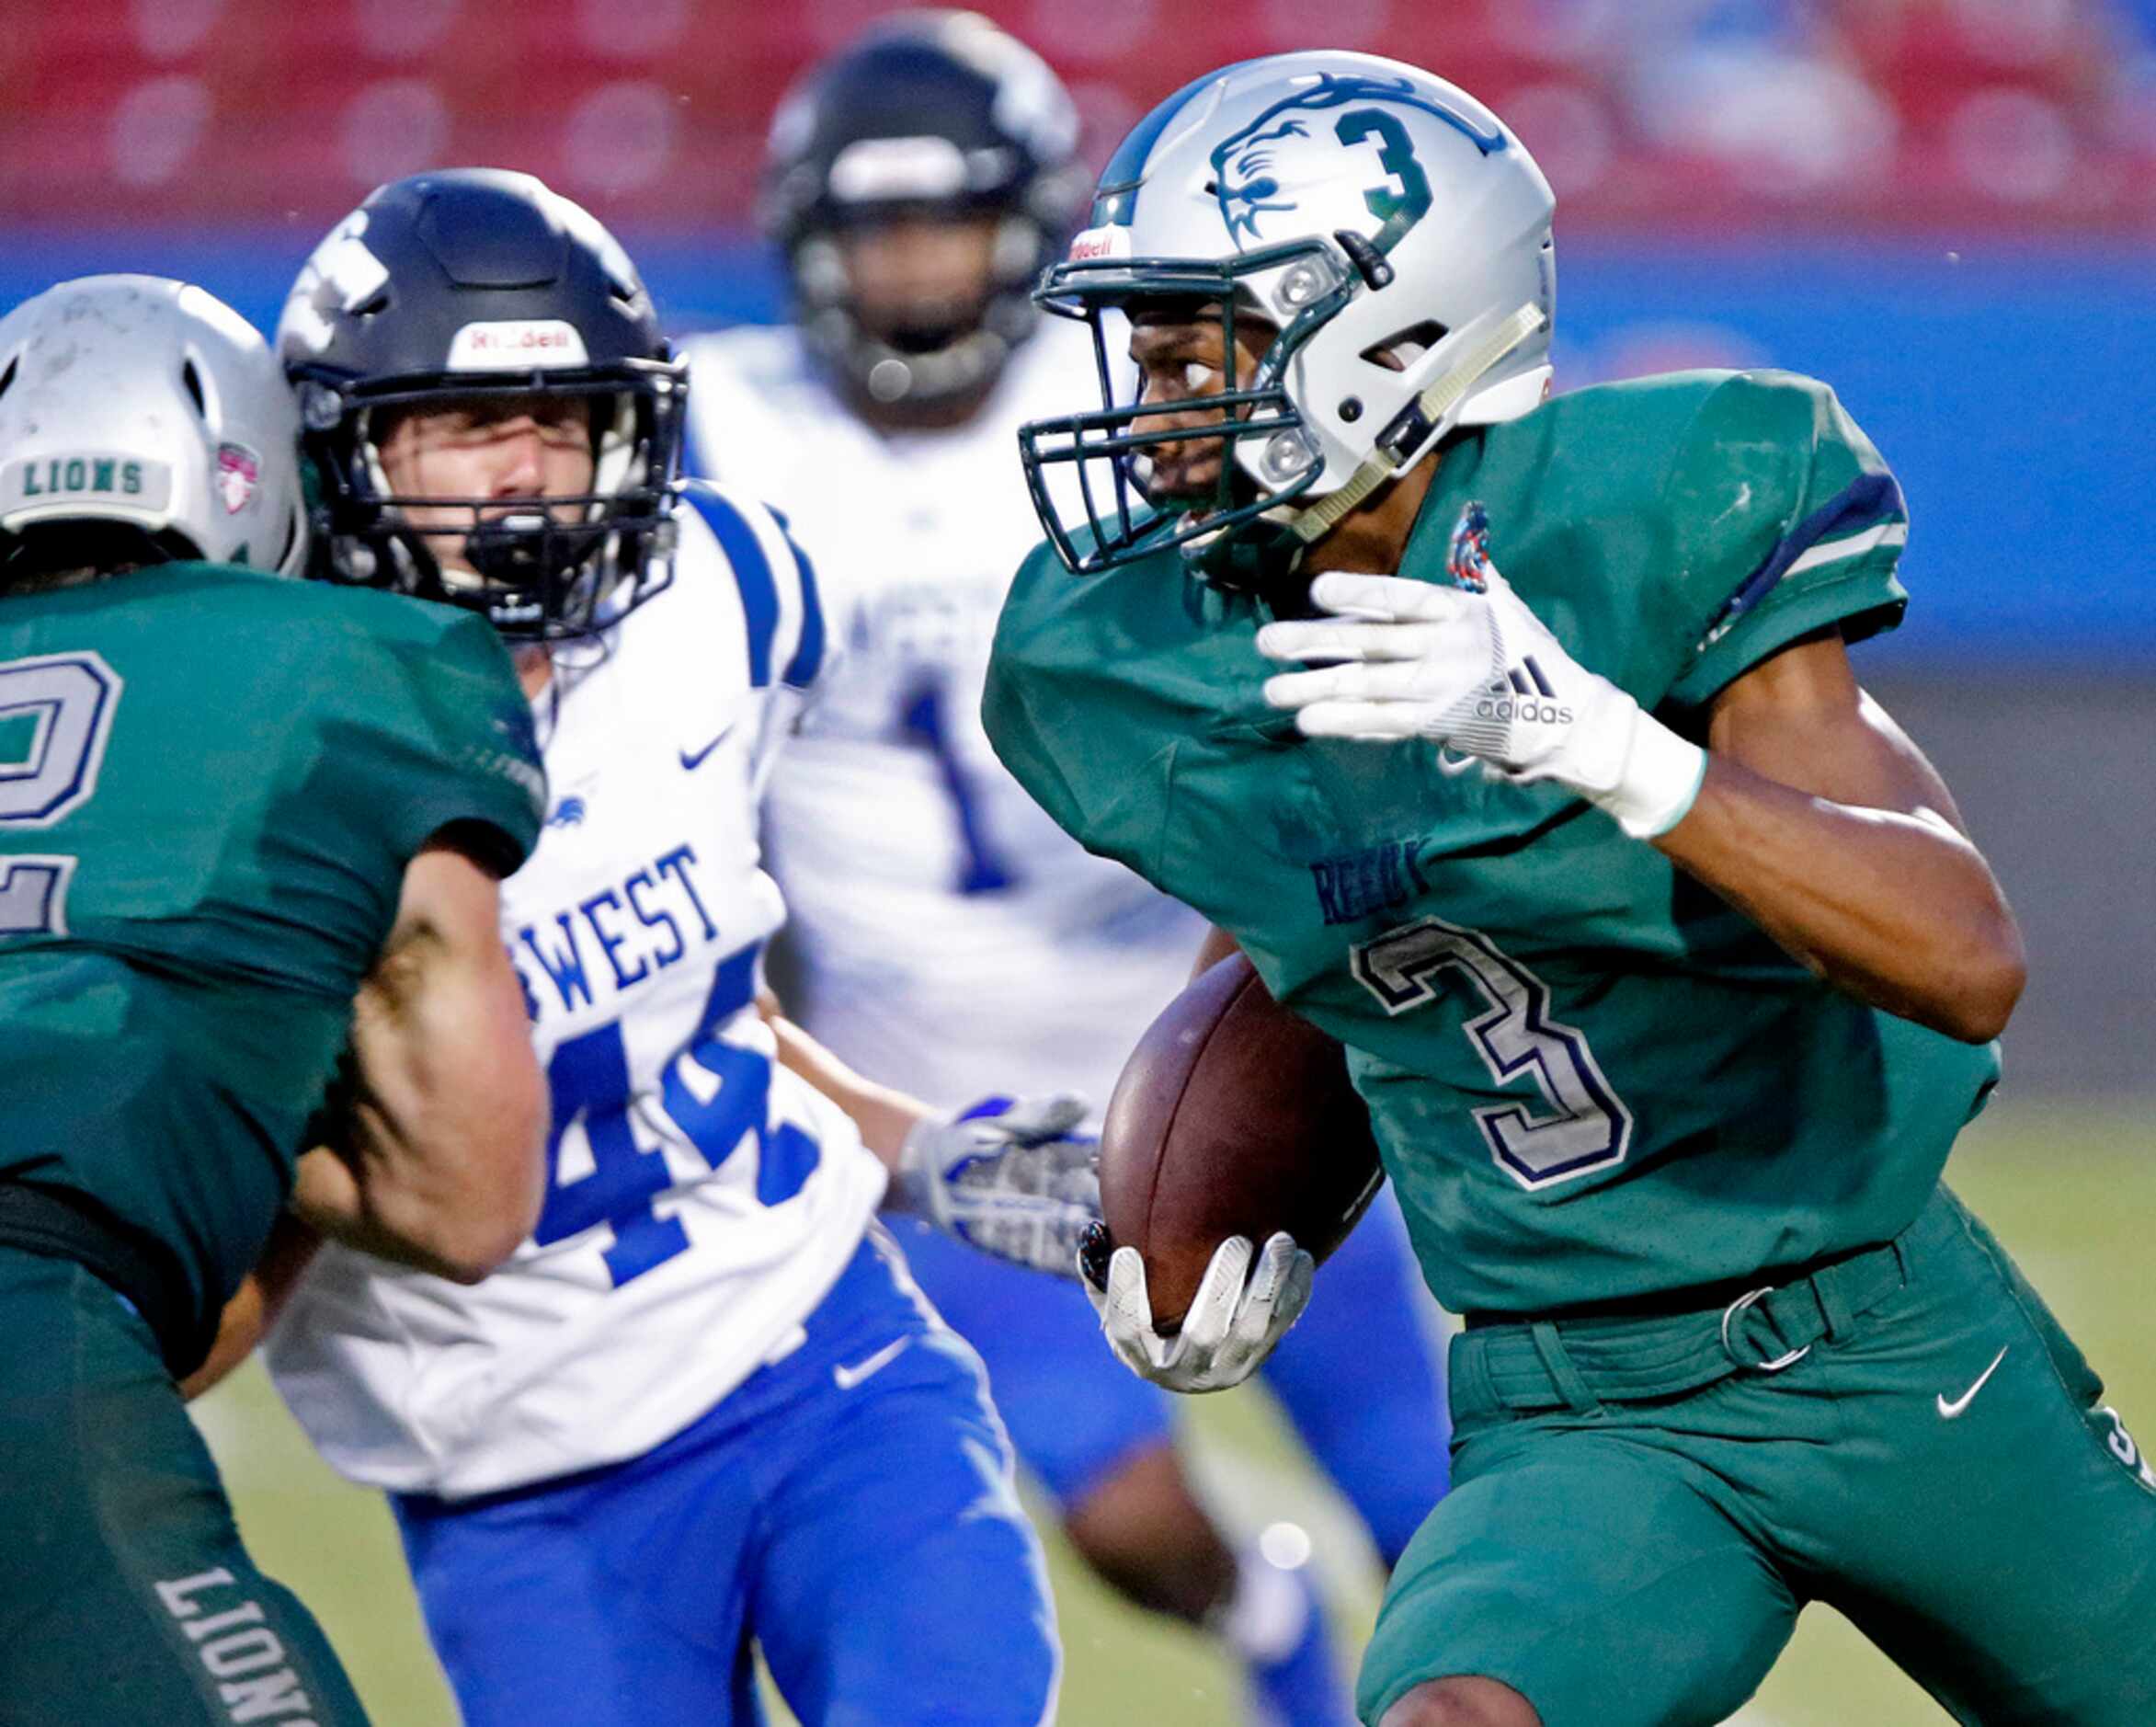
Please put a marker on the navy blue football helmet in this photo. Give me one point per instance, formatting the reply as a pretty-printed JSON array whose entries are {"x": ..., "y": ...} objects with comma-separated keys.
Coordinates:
[
  {"x": 474, "y": 282},
  {"x": 933, "y": 113}
]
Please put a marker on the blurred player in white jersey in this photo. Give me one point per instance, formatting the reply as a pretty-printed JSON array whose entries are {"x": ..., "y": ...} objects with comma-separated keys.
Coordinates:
[
  {"x": 947, "y": 934},
  {"x": 703, "y": 1405}
]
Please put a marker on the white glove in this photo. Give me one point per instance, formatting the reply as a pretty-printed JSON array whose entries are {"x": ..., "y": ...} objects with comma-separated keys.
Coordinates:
[
  {"x": 1011, "y": 1179},
  {"x": 1237, "y": 1315},
  {"x": 1481, "y": 673}
]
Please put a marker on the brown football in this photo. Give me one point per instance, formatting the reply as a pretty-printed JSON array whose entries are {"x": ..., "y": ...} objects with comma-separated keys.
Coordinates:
[{"x": 1233, "y": 1117}]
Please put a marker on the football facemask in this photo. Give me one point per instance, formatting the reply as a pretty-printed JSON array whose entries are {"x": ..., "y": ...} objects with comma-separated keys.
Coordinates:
[
  {"x": 540, "y": 568},
  {"x": 932, "y": 114},
  {"x": 1107, "y": 451},
  {"x": 473, "y": 281},
  {"x": 1390, "y": 228}
]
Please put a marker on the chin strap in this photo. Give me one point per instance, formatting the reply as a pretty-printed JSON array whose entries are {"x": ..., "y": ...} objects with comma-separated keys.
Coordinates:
[{"x": 1432, "y": 411}]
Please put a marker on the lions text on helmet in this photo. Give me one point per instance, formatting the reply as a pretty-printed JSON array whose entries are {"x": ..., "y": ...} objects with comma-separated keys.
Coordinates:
[
  {"x": 1343, "y": 257},
  {"x": 494, "y": 414},
  {"x": 142, "y": 420}
]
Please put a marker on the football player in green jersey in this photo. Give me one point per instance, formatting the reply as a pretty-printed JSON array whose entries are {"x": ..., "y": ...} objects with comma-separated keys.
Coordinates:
[
  {"x": 1516, "y": 742},
  {"x": 250, "y": 836}
]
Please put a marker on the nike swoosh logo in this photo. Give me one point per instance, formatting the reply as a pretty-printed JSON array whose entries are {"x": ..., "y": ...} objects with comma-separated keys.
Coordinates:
[
  {"x": 694, "y": 761},
  {"x": 848, "y": 1377},
  {"x": 1447, "y": 762},
  {"x": 1947, "y": 1412}
]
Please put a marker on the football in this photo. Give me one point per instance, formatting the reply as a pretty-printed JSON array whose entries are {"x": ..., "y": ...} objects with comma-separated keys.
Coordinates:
[{"x": 1233, "y": 1117}]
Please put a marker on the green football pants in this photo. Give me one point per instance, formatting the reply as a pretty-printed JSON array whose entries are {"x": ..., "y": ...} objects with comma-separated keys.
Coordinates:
[
  {"x": 1939, "y": 1468},
  {"x": 125, "y": 1595}
]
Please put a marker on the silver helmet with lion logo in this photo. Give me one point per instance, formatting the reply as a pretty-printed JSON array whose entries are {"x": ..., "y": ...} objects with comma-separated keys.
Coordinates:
[{"x": 1387, "y": 233}]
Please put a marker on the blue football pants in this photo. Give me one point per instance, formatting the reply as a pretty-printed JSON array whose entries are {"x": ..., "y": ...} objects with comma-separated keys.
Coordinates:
[
  {"x": 1359, "y": 1376},
  {"x": 848, "y": 1507}
]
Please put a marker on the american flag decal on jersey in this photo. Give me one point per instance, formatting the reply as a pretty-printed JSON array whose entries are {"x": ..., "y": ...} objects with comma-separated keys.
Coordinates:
[{"x": 1467, "y": 561}]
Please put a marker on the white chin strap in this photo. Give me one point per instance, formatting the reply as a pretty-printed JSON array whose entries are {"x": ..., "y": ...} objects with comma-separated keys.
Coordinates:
[{"x": 1439, "y": 407}]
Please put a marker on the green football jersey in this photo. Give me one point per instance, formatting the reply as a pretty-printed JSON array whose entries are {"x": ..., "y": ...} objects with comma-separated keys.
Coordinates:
[
  {"x": 211, "y": 783},
  {"x": 1591, "y": 1076}
]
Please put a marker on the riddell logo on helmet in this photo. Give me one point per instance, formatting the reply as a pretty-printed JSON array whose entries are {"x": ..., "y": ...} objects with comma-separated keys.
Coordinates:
[
  {"x": 1099, "y": 242},
  {"x": 516, "y": 345}
]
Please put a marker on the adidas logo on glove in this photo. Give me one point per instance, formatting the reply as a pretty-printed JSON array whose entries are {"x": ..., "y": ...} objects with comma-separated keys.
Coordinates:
[{"x": 1493, "y": 706}]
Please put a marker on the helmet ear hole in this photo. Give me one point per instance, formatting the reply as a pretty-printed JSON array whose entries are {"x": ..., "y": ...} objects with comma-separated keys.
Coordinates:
[
  {"x": 1403, "y": 348},
  {"x": 190, "y": 378},
  {"x": 8, "y": 377}
]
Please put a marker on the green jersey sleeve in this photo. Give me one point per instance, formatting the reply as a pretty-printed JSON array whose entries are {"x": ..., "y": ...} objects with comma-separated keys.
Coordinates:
[
  {"x": 1021, "y": 724},
  {"x": 1786, "y": 521},
  {"x": 470, "y": 757},
  {"x": 1063, "y": 647}
]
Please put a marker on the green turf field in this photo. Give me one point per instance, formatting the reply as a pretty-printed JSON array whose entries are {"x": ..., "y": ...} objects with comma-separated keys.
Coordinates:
[{"x": 2073, "y": 1194}]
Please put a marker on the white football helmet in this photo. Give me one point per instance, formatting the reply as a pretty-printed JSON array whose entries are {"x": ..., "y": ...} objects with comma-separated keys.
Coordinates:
[
  {"x": 152, "y": 403},
  {"x": 1388, "y": 225}
]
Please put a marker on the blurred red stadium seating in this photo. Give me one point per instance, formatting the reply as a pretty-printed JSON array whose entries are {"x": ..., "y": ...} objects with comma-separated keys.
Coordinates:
[{"x": 2000, "y": 113}]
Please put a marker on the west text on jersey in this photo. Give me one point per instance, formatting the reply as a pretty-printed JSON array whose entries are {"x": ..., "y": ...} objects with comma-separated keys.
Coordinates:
[{"x": 642, "y": 924}]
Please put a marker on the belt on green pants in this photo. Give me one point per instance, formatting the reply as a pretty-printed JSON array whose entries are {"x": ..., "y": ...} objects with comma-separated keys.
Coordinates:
[{"x": 1581, "y": 1363}]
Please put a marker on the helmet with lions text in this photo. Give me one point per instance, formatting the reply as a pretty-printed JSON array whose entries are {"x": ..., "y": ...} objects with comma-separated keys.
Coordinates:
[{"x": 142, "y": 420}]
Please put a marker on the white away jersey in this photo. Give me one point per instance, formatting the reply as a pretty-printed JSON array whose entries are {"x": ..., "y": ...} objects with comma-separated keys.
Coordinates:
[
  {"x": 701, "y": 1198},
  {"x": 954, "y": 940}
]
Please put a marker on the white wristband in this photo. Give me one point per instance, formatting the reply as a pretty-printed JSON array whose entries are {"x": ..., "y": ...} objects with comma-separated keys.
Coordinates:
[{"x": 1662, "y": 776}]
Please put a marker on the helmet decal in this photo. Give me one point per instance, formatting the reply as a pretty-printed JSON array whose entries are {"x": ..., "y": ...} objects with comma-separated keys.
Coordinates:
[
  {"x": 1245, "y": 177},
  {"x": 149, "y": 405},
  {"x": 340, "y": 277},
  {"x": 1388, "y": 240},
  {"x": 239, "y": 472},
  {"x": 1467, "y": 556}
]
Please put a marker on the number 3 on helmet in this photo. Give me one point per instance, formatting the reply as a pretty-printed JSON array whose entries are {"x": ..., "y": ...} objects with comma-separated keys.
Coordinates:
[{"x": 1392, "y": 231}]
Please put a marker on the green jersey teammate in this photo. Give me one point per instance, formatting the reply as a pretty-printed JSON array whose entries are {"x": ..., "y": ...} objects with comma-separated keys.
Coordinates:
[
  {"x": 250, "y": 836},
  {"x": 1666, "y": 1096}
]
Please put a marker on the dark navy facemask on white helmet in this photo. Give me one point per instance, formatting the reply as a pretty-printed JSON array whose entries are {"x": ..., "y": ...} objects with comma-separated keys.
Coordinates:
[
  {"x": 931, "y": 114},
  {"x": 473, "y": 282}
]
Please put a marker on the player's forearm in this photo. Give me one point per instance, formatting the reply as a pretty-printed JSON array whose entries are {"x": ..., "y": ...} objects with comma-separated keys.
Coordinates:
[
  {"x": 885, "y": 1115},
  {"x": 1899, "y": 909},
  {"x": 239, "y": 1329},
  {"x": 261, "y": 1297},
  {"x": 441, "y": 1127},
  {"x": 384, "y": 1205},
  {"x": 447, "y": 1131},
  {"x": 1217, "y": 946}
]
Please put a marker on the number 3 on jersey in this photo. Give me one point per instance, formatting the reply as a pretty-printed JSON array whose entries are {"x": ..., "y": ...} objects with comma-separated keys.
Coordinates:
[
  {"x": 65, "y": 703},
  {"x": 1587, "y": 1127}
]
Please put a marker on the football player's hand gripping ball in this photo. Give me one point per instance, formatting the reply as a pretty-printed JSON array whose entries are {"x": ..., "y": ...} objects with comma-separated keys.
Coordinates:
[
  {"x": 1478, "y": 673},
  {"x": 1015, "y": 1180},
  {"x": 1240, "y": 1311}
]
